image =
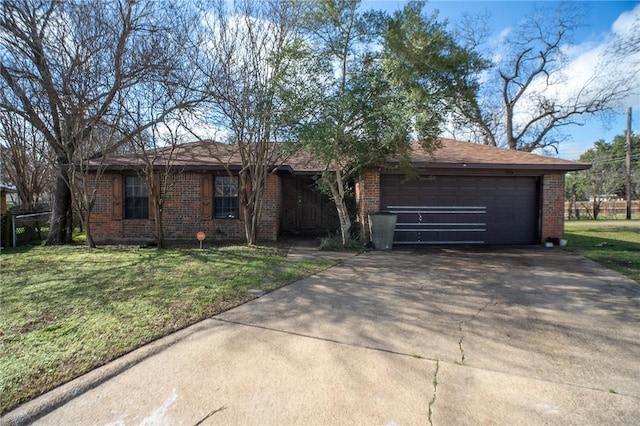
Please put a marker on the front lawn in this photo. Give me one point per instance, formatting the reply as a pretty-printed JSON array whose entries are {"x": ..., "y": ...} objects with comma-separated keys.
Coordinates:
[
  {"x": 68, "y": 310},
  {"x": 614, "y": 243}
]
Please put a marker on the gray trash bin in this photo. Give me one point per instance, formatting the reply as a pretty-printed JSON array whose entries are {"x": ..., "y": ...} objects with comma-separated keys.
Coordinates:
[{"x": 382, "y": 227}]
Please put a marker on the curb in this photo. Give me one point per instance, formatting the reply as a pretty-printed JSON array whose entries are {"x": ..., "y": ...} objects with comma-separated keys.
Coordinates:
[{"x": 44, "y": 404}]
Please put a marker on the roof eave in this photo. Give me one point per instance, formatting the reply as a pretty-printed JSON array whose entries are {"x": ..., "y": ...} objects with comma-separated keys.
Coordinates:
[
  {"x": 174, "y": 167},
  {"x": 503, "y": 166}
]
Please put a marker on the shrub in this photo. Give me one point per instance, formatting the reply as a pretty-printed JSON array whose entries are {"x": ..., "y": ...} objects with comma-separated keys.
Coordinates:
[{"x": 334, "y": 243}]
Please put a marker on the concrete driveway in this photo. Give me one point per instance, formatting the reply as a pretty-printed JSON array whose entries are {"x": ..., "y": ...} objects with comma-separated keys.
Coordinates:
[{"x": 411, "y": 336}]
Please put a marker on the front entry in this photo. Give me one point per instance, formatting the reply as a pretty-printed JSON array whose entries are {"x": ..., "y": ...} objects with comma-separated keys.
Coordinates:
[
  {"x": 309, "y": 205},
  {"x": 306, "y": 210}
]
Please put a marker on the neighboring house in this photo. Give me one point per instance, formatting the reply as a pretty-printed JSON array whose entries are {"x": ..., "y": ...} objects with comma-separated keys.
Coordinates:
[
  {"x": 465, "y": 194},
  {"x": 4, "y": 191}
]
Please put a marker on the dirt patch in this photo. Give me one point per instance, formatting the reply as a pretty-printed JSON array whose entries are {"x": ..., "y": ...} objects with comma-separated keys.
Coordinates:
[{"x": 615, "y": 260}]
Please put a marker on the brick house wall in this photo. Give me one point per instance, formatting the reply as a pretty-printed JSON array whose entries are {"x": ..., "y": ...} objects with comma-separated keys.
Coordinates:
[
  {"x": 271, "y": 208},
  {"x": 189, "y": 203},
  {"x": 551, "y": 212},
  {"x": 187, "y": 210},
  {"x": 367, "y": 199}
]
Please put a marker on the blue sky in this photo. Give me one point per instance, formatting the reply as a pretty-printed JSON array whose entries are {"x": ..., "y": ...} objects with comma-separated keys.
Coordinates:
[{"x": 600, "y": 19}]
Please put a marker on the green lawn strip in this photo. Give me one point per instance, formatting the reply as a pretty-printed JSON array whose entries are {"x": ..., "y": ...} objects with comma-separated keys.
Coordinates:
[
  {"x": 614, "y": 244},
  {"x": 68, "y": 310}
]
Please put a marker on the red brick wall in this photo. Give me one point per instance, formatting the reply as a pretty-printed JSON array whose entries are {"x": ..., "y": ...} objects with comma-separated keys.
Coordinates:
[
  {"x": 271, "y": 207},
  {"x": 367, "y": 198},
  {"x": 552, "y": 212},
  {"x": 102, "y": 223},
  {"x": 183, "y": 213}
]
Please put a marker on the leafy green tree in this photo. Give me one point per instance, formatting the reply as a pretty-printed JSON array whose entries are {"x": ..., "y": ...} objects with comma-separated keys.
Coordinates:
[
  {"x": 435, "y": 72},
  {"x": 606, "y": 177},
  {"x": 377, "y": 82}
]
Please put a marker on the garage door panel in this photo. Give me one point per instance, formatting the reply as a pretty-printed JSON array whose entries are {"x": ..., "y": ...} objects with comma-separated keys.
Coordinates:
[{"x": 463, "y": 209}]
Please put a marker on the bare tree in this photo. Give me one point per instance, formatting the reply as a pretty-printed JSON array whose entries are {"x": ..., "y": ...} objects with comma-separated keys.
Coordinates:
[
  {"x": 69, "y": 67},
  {"x": 251, "y": 65},
  {"x": 601, "y": 181},
  {"x": 24, "y": 160},
  {"x": 531, "y": 92},
  {"x": 86, "y": 168},
  {"x": 155, "y": 151},
  {"x": 626, "y": 41}
]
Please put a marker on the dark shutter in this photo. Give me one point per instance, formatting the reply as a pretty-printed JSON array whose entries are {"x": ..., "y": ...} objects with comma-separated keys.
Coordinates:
[
  {"x": 116, "y": 197},
  {"x": 207, "y": 196}
]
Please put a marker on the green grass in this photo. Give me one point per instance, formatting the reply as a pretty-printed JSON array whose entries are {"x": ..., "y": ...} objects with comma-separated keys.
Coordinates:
[
  {"x": 614, "y": 244},
  {"x": 68, "y": 310}
]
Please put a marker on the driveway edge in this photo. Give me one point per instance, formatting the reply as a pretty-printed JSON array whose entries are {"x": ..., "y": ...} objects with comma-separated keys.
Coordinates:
[{"x": 42, "y": 405}]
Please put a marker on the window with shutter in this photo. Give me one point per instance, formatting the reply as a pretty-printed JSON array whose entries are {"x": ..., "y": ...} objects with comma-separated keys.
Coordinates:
[
  {"x": 226, "y": 197},
  {"x": 136, "y": 198}
]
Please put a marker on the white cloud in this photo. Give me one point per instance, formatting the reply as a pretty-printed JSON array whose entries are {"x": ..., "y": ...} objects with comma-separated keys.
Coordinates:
[
  {"x": 627, "y": 23},
  {"x": 591, "y": 69}
]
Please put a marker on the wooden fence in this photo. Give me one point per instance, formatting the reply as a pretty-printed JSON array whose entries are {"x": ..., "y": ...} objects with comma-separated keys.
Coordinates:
[{"x": 612, "y": 209}]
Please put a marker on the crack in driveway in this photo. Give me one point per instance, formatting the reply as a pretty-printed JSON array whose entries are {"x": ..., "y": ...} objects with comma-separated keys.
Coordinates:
[
  {"x": 460, "y": 324},
  {"x": 435, "y": 391},
  {"x": 460, "y": 347}
]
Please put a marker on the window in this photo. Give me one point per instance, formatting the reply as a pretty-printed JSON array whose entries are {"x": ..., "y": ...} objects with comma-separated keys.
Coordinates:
[
  {"x": 225, "y": 196},
  {"x": 136, "y": 198}
]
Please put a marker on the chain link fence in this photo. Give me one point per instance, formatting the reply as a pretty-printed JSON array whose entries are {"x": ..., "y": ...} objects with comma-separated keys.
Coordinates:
[{"x": 30, "y": 228}]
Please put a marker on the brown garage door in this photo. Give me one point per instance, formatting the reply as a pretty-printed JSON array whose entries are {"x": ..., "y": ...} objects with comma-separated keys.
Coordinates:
[{"x": 463, "y": 209}]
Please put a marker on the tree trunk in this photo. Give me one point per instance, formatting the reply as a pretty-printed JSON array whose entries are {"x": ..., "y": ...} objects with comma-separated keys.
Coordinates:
[
  {"x": 345, "y": 221},
  {"x": 596, "y": 209},
  {"x": 247, "y": 207},
  {"x": 343, "y": 212},
  {"x": 155, "y": 190},
  {"x": 157, "y": 215},
  {"x": 255, "y": 217},
  {"x": 62, "y": 216},
  {"x": 87, "y": 229},
  {"x": 252, "y": 191},
  {"x": 251, "y": 218}
]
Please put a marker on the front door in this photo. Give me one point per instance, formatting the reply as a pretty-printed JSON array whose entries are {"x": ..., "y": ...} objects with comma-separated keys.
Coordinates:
[{"x": 309, "y": 205}]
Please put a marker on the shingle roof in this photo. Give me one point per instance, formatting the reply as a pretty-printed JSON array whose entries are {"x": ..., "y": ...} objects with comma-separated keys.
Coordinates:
[
  {"x": 204, "y": 155},
  {"x": 209, "y": 155},
  {"x": 457, "y": 154}
]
